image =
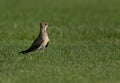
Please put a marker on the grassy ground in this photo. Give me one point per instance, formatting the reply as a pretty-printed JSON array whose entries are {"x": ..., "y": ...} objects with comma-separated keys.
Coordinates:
[{"x": 84, "y": 47}]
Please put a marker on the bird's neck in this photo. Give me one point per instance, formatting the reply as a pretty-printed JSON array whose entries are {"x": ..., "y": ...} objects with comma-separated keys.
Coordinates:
[{"x": 43, "y": 33}]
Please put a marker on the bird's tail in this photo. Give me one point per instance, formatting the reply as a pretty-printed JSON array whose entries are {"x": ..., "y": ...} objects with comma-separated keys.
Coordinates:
[{"x": 24, "y": 52}]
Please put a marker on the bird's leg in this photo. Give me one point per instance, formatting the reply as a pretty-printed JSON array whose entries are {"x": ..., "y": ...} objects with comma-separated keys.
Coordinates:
[{"x": 43, "y": 48}]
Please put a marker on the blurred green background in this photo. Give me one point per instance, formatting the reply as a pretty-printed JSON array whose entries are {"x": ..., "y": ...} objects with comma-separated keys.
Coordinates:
[{"x": 84, "y": 41}]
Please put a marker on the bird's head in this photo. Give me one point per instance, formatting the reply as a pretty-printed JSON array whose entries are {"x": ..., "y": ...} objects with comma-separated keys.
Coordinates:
[{"x": 43, "y": 26}]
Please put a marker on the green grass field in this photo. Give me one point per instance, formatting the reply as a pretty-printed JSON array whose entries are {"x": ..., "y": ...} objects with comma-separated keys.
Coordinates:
[{"x": 84, "y": 41}]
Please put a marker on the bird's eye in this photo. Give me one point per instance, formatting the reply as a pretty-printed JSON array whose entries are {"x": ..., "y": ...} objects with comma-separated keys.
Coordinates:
[{"x": 46, "y": 23}]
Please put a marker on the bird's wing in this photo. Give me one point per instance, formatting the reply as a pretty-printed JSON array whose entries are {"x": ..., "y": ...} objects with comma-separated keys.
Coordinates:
[
  {"x": 35, "y": 44},
  {"x": 47, "y": 44}
]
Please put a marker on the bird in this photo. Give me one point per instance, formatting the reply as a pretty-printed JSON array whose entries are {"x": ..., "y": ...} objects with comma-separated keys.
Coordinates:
[{"x": 41, "y": 42}]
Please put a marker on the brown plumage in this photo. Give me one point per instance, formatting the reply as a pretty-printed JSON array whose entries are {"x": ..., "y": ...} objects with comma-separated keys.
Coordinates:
[{"x": 41, "y": 42}]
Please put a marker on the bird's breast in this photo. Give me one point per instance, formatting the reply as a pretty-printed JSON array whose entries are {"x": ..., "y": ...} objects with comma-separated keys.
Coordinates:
[
  {"x": 45, "y": 39},
  {"x": 44, "y": 42}
]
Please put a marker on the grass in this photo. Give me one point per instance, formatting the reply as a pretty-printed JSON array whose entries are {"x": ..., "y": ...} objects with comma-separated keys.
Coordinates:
[{"x": 84, "y": 41}]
